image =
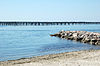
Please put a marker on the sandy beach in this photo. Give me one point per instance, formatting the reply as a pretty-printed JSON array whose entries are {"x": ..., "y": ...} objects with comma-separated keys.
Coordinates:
[{"x": 79, "y": 58}]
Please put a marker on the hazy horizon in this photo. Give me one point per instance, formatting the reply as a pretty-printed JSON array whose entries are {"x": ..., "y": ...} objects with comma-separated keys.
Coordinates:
[{"x": 50, "y": 10}]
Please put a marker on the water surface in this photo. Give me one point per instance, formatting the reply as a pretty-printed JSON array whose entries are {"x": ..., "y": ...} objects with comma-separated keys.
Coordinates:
[{"x": 26, "y": 41}]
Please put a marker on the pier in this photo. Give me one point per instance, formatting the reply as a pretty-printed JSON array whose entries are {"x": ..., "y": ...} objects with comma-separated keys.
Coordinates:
[{"x": 43, "y": 23}]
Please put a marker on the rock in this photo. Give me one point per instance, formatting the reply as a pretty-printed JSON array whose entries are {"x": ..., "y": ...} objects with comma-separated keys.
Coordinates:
[
  {"x": 98, "y": 42},
  {"x": 70, "y": 34},
  {"x": 75, "y": 35},
  {"x": 58, "y": 35},
  {"x": 82, "y": 36},
  {"x": 70, "y": 38},
  {"x": 86, "y": 40}
]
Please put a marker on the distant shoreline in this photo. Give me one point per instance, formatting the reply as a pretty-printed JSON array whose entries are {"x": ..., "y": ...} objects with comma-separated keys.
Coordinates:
[{"x": 88, "y": 57}]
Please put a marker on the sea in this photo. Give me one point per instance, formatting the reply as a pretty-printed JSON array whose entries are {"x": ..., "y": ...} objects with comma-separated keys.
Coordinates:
[{"x": 28, "y": 41}]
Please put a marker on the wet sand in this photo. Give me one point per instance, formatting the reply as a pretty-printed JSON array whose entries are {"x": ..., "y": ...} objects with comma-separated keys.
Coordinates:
[{"x": 79, "y": 58}]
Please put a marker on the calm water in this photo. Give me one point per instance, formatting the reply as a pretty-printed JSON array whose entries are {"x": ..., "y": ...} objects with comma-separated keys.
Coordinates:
[{"x": 27, "y": 41}]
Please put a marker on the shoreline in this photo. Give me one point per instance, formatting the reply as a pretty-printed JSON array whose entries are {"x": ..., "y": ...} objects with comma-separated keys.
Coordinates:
[{"x": 78, "y": 58}]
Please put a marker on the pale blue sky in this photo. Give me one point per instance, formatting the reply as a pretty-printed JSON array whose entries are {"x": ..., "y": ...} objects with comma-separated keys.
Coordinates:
[{"x": 49, "y": 10}]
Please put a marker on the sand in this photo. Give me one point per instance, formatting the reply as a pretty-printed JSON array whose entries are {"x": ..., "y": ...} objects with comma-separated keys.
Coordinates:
[{"x": 79, "y": 58}]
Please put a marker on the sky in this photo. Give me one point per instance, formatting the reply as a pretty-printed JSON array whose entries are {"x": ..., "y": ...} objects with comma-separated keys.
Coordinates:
[{"x": 50, "y": 10}]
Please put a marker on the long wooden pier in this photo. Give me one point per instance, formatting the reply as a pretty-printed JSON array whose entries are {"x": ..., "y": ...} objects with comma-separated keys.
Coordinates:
[{"x": 43, "y": 23}]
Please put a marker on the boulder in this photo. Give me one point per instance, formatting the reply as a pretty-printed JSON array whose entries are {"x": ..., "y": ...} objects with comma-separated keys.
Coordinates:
[{"x": 82, "y": 36}]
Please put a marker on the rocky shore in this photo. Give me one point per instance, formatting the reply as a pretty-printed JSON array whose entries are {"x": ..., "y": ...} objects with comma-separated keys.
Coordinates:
[{"x": 81, "y": 36}]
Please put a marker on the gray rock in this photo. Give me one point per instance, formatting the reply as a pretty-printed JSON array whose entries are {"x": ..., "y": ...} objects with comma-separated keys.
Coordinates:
[{"x": 83, "y": 36}]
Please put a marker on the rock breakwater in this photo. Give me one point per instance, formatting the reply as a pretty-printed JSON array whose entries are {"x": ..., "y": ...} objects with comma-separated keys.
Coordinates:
[{"x": 82, "y": 36}]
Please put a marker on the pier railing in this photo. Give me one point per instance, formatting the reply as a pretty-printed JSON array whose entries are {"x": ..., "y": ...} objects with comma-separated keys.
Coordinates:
[{"x": 43, "y": 23}]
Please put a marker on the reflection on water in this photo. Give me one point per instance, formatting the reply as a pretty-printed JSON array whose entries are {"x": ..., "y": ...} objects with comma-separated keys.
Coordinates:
[{"x": 27, "y": 41}]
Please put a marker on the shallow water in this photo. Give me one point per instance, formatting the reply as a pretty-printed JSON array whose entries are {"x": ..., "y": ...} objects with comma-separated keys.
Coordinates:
[{"x": 26, "y": 41}]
